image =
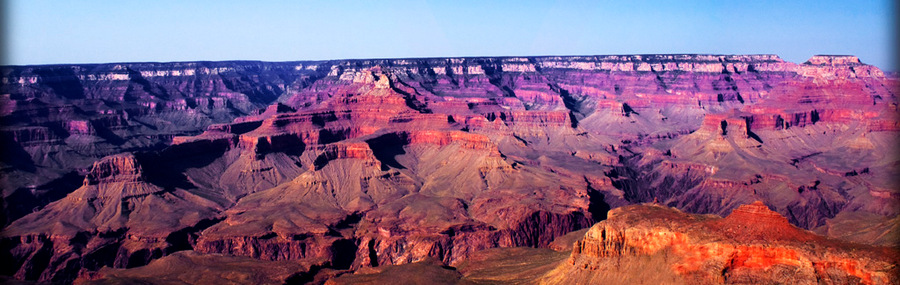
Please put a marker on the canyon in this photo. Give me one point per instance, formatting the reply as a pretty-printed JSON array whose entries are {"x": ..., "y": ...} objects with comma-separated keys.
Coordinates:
[
  {"x": 654, "y": 244},
  {"x": 323, "y": 171}
]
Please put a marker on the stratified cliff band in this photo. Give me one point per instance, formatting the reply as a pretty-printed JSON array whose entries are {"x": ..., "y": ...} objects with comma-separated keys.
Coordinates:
[{"x": 351, "y": 164}]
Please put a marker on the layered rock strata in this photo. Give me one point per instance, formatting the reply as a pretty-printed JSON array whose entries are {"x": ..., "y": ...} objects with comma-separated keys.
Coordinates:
[
  {"x": 365, "y": 163},
  {"x": 751, "y": 245}
]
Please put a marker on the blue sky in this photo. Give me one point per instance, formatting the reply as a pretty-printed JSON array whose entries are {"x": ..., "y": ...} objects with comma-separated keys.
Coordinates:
[{"x": 43, "y": 32}]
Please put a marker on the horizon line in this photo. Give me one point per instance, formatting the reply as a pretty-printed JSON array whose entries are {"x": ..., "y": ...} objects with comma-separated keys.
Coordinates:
[{"x": 423, "y": 58}]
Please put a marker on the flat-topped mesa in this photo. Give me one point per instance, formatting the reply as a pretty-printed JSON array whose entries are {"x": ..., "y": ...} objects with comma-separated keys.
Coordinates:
[
  {"x": 833, "y": 60},
  {"x": 838, "y": 68},
  {"x": 345, "y": 150},
  {"x": 767, "y": 118},
  {"x": 725, "y": 124},
  {"x": 115, "y": 168},
  {"x": 771, "y": 118},
  {"x": 756, "y": 213}
]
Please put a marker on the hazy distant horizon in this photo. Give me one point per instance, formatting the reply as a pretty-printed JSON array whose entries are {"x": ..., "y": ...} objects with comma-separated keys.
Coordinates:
[
  {"x": 57, "y": 32},
  {"x": 415, "y": 58}
]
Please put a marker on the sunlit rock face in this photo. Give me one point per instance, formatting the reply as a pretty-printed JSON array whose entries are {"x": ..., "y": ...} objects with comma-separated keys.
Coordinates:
[
  {"x": 752, "y": 245},
  {"x": 352, "y": 164}
]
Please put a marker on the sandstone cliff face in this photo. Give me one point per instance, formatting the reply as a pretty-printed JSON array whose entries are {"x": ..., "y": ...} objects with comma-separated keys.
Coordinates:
[
  {"x": 362, "y": 163},
  {"x": 751, "y": 245}
]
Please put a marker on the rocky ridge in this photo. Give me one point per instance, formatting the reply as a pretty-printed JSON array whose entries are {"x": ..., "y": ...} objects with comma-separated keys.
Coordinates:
[{"x": 751, "y": 245}]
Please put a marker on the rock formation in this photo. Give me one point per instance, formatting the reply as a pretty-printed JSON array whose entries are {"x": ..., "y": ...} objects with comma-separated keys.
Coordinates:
[
  {"x": 650, "y": 243},
  {"x": 751, "y": 245},
  {"x": 353, "y": 164}
]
